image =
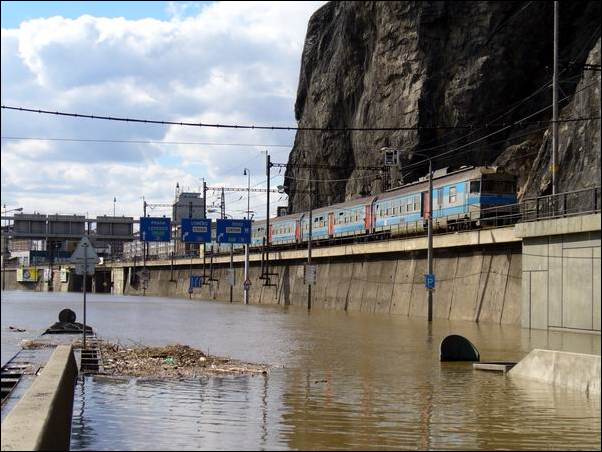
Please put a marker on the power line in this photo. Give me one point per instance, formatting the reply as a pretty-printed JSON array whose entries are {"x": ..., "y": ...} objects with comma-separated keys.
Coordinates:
[
  {"x": 519, "y": 122},
  {"x": 254, "y": 127},
  {"x": 229, "y": 126},
  {"x": 99, "y": 140}
]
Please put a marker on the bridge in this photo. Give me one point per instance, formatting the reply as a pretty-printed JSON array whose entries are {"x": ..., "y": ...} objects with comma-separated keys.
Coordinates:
[{"x": 536, "y": 264}]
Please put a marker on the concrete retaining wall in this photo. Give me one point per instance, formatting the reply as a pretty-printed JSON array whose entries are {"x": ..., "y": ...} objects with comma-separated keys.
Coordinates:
[
  {"x": 561, "y": 273},
  {"x": 562, "y": 369},
  {"x": 478, "y": 284},
  {"x": 41, "y": 420}
]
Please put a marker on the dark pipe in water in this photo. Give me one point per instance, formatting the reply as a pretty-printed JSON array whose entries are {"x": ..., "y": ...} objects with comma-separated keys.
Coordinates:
[
  {"x": 67, "y": 315},
  {"x": 458, "y": 348}
]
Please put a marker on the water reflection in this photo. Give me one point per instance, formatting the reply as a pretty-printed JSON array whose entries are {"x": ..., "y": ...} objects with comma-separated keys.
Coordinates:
[{"x": 340, "y": 380}]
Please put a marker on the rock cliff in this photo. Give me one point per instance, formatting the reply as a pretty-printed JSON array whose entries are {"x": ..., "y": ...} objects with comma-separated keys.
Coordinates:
[{"x": 439, "y": 67}]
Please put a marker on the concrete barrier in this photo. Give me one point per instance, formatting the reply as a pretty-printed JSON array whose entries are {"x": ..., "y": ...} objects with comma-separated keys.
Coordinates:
[
  {"x": 41, "y": 420},
  {"x": 576, "y": 371}
]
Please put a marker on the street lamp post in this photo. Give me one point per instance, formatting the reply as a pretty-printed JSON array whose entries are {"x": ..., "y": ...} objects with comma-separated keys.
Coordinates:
[
  {"x": 247, "y": 173},
  {"x": 429, "y": 278}
]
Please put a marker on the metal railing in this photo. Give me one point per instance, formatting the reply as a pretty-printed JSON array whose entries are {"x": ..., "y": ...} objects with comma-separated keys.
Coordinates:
[{"x": 571, "y": 203}]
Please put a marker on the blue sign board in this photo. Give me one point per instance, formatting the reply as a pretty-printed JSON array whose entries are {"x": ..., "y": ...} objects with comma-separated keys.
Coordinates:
[
  {"x": 429, "y": 281},
  {"x": 195, "y": 282},
  {"x": 196, "y": 231},
  {"x": 155, "y": 229},
  {"x": 233, "y": 231}
]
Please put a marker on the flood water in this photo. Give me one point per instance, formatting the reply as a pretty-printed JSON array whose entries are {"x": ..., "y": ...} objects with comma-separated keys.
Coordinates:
[{"x": 338, "y": 381}]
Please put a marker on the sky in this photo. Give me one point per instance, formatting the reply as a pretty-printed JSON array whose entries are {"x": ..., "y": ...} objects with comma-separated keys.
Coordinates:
[{"x": 220, "y": 62}]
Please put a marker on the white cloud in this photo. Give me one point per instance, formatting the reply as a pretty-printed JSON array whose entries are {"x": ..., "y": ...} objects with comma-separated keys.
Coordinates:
[{"x": 226, "y": 62}]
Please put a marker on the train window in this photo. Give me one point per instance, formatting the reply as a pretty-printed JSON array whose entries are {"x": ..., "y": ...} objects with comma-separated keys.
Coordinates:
[
  {"x": 475, "y": 186},
  {"x": 498, "y": 186},
  {"x": 440, "y": 197},
  {"x": 452, "y": 195}
]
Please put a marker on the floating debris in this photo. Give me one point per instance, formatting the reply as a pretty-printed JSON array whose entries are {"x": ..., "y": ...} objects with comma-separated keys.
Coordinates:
[
  {"x": 172, "y": 361},
  {"x": 16, "y": 330}
]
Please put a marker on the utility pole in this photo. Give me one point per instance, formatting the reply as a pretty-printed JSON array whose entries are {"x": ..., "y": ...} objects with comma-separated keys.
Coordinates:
[
  {"x": 204, "y": 217},
  {"x": 268, "y": 166},
  {"x": 555, "y": 106},
  {"x": 246, "y": 281},
  {"x": 85, "y": 245},
  {"x": 223, "y": 204},
  {"x": 429, "y": 281},
  {"x": 309, "y": 244},
  {"x": 430, "y": 240},
  {"x": 144, "y": 251}
]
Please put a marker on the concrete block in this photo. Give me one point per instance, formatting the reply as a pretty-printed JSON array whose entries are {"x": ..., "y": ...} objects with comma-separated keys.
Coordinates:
[
  {"x": 577, "y": 282},
  {"x": 535, "y": 253},
  {"x": 335, "y": 275},
  {"x": 445, "y": 270},
  {"x": 466, "y": 286},
  {"x": 574, "y": 371},
  {"x": 539, "y": 300},
  {"x": 41, "y": 420},
  {"x": 555, "y": 281},
  {"x": 385, "y": 286},
  {"x": 581, "y": 240},
  {"x": 343, "y": 287},
  {"x": 418, "y": 300},
  {"x": 494, "y": 290},
  {"x": 596, "y": 288},
  {"x": 591, "y": 223},
  {"x": 356, "y": 290},
  {"x": 402, "y": 289},
  {"x": 511, "y": 313},
  {"x": 371, "y": 282}
]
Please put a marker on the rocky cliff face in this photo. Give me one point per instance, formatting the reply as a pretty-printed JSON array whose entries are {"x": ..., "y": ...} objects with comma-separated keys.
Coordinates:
[
  {"x": 432, "y": 64},
  {"x": 578, "y": 143}
]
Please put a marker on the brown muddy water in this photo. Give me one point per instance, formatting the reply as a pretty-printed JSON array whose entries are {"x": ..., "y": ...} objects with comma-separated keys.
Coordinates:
[{"x": 338, "y": 381}]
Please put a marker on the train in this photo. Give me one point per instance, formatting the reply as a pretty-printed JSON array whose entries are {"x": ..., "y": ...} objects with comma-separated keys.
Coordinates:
[{"x": 463, "y": 198}]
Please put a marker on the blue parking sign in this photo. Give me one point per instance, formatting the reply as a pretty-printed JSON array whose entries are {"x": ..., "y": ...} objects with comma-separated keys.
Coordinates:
[
  {"x": 429, "y": 281},
  {"x": 196, "y": 230},
  {"x": 155, "y": 229},
  {"x": 195, "y": 282},
  {"x": 233, "y": 231}
]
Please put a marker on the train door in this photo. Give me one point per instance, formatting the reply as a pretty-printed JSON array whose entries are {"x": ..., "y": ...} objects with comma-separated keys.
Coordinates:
[
  {"x": 331, "y": 224},
  {"x": 298, "y": 230},
  {"x": 426, "y": 207},
  {"x": 368, "y": 218}
]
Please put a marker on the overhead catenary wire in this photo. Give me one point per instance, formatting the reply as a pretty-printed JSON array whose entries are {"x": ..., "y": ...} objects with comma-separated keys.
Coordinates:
[
  {"x": 515, "y": 123},
  {"x": 101, "y": 140},
  {"x": 241, "y": 127},
  {"x": 228, "y": 126}
]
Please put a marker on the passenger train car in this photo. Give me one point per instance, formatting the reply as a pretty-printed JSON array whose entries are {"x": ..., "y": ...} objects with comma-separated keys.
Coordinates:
[{"x": 459, "y": 199}]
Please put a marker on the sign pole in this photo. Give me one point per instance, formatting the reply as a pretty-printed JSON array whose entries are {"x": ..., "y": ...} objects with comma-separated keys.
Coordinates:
[
  {"x": 309, "y": 244},
  {"x": 231, "y": 269},
  {"x": 246, "y": 285},
  {"x": 85, "y": 245}
]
